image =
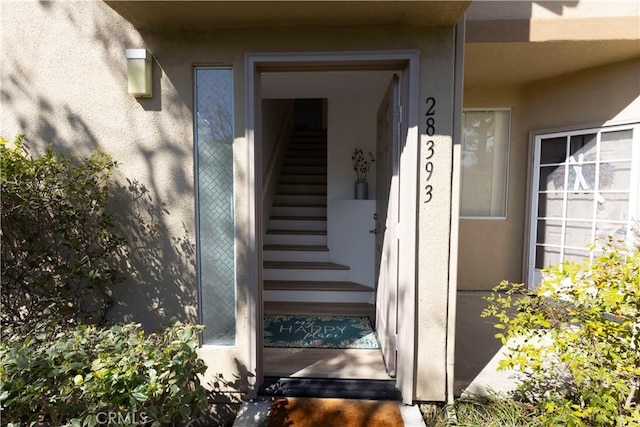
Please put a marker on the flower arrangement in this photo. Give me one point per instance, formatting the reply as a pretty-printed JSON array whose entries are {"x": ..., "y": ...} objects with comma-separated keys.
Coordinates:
[
  {"x": 588, "y": 170},
  {"x": 362, "y": 164}
]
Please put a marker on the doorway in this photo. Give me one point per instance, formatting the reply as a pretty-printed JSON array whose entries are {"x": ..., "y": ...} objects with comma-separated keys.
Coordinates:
[{"x": 320, "y": 84}]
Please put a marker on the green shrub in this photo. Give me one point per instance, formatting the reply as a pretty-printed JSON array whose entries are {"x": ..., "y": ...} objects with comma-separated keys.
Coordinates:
[
  {"x": 58, "y": 244},
  {"x": 576, "y": 340},
  {"x": 92, "y": 376}
]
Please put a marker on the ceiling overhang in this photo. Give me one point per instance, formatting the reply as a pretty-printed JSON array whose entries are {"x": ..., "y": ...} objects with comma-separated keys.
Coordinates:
[{"x": 203, "y": 15}]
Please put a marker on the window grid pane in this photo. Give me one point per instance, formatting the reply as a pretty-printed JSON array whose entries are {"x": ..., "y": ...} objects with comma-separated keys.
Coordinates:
[
  {"x": 582, "y": 195},
  {"x": 214, "y": 145}
]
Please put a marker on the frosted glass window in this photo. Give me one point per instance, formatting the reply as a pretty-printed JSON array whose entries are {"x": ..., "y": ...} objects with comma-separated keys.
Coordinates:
[
  {"x": 485, "y": 153},
  {"x": 216, "y": 225}
]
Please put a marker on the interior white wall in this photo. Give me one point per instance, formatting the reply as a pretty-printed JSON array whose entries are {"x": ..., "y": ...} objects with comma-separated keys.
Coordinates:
[{"x": 353, "y": 98}]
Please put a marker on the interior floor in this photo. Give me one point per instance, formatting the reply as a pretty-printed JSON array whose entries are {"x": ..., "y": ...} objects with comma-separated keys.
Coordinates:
[{"x": 319, "y": 362}]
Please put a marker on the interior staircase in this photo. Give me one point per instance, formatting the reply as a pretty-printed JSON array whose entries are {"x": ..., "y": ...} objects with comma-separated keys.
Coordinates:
[{"x": 297, "y": 261}]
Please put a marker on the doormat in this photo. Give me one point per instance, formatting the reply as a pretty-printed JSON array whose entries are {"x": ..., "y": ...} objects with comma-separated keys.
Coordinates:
[
  {"x": 283, "y": 330},
  {"x": 334, "y": 412}
]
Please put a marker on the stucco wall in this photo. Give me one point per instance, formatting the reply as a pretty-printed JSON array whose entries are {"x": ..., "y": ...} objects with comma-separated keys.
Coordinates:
[
  {"x": 64, "y": 81},
  {"x": 494, "y": 250}
]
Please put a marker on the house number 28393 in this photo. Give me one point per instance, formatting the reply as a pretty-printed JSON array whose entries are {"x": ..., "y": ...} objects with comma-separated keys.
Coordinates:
[{"x": 430, "y": 148}]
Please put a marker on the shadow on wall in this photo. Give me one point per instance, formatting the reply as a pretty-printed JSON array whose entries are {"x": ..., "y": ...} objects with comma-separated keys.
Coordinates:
[
  {"x": 225, "y": 398},
  {"x": 475, "y": 341},
  {"x": 76, "y": 100},
  {"x": 157, "y": 263}
]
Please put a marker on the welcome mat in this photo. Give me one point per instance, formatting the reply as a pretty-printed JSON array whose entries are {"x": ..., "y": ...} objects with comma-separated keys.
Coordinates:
[
  {"x": 334, "y": 412},
  {"x": 283, "y": 330}
]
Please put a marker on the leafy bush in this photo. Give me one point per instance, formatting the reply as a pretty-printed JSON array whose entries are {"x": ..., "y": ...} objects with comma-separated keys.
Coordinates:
[
  {"x": 576, "y": 340},
  {"x": 89, "y": 376},
  {"x": 58, "y": 244}
]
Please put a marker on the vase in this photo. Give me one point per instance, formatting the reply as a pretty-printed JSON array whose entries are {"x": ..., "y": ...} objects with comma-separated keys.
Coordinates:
[{"x": 362, "y": 190}]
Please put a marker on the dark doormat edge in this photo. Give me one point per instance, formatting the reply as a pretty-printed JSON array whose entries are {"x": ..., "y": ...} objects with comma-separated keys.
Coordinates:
[{"x": 330, "y": 388}]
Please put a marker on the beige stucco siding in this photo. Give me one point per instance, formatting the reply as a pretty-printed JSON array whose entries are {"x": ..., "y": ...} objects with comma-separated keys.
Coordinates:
[
  {"x": 493, "y": 250},
  {"x": 64, "y": 81}
]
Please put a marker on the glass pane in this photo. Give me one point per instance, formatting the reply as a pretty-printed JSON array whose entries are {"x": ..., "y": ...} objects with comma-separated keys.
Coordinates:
[
  {"x": 549, "y": 232},
  {"x": 576, "y": 255},
  {"x": 580, "y": 205},
  {"x": 550, "y": 205},
  {"x": 613, "y": 206},
  {"x": 214, "y": 138},
  {"x": 615, "y": 176},
  {"x": 577, "y": 234},
  {"x": 546, "y": 256},
  {"x": 583, "y": 146},
  {"x": 616, "y": 145},
  {"x": 484, "y": 163},
  {"x": 553, "y": 150},
  {"x": 551, "y": 178},
  {"x": 604, "y": 230}
]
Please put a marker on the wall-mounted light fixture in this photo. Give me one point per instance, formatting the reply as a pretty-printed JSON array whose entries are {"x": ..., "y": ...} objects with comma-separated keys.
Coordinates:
[{"x": 139, "y": 72}]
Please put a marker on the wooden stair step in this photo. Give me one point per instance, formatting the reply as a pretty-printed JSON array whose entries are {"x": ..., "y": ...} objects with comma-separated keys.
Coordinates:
[
  {"x": 298, "y": 218},
  {"x": 300, "y": 205},
  {"x": 322, "y": 248},
  {"x": 314, "y": 232},
  {"x": 273, "y": 285},
  {"x": 292, "y": 265},
  {"x": 320, "y": 308}
]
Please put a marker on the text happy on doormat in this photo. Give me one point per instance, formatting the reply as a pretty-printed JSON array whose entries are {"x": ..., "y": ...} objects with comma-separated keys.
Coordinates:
[{"x": 319, "y": 331}]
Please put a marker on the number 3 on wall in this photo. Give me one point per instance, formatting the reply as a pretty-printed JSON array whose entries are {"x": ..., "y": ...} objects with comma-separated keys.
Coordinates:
[{"x": 430, "y": 146}]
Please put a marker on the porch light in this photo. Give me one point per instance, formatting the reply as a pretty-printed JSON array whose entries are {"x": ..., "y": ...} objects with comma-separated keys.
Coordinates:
[{"x": 139, "y": 72}]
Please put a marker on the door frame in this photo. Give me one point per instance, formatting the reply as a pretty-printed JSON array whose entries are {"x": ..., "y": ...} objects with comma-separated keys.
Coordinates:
[{"x": 405, "y": 61}]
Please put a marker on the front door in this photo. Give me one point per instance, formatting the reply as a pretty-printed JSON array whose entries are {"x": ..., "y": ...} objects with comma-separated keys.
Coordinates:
[{"x": 386, "y": 230}]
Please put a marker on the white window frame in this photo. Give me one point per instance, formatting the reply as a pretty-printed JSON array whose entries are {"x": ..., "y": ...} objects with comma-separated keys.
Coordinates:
[
  {"x": 531, "y": 273},
  {"x": 507, "y": 169}
]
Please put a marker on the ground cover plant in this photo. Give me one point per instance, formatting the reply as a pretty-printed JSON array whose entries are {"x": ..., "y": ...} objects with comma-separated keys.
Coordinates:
[
  {"x": 88, "y": 376},
  {"x": 478, "y": 411},
  {"x": 575, "y": 341}
]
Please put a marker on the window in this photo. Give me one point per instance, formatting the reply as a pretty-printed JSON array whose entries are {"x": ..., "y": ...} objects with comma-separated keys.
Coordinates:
[
  {"x": 585, "y": 189},
  {"x": 485, "y": 158},
  {"x": 216, "y": 223}
]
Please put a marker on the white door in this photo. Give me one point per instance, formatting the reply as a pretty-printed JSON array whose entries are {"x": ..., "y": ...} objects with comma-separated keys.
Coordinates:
[{"x": 387, "y": 168}]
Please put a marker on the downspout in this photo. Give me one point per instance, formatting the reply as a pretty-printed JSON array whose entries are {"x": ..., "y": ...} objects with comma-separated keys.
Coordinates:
[{"x": 456, "y": 176}]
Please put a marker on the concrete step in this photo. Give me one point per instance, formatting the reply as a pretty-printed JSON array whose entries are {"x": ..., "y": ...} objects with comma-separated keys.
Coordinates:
[
  {"x": 295, "y": 237},
  {"x": 293, "y": 209}
]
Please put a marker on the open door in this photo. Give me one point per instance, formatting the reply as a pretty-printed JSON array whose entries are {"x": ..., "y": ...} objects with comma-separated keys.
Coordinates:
[{"x": 387, "y": 187}]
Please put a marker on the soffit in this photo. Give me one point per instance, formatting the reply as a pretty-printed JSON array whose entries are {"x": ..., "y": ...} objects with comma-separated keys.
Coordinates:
[
  {"x": 201, "y": 15},
  {"x": 504, "y": 64}
]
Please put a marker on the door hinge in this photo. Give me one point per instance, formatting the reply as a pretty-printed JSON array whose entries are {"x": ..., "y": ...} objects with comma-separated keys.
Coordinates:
[
  {"x": 397, "y": 114},
  {"x": 395, "y": 342}
]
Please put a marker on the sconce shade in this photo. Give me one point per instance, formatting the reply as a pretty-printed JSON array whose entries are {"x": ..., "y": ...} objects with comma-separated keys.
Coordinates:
[{"x": 139, "y": 72}]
